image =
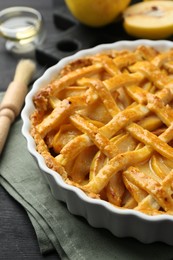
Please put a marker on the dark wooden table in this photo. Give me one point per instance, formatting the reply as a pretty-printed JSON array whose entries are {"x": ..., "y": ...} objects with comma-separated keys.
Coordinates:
[{"x": 18, "y": 241}]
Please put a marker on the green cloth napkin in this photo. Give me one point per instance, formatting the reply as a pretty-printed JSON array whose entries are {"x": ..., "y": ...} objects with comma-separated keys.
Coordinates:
[{"x": 71, "y": 236}]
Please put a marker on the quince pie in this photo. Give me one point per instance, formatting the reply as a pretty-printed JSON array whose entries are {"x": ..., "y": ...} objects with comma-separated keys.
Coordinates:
[{"x": 105, "y": 124}]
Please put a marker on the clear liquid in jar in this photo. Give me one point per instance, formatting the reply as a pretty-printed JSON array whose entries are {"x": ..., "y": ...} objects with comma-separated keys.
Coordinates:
[{"x": 19, "y": 28}]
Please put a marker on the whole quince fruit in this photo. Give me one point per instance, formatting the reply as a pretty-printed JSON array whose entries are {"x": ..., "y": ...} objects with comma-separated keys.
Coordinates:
[{"x": 96, "y": 13}]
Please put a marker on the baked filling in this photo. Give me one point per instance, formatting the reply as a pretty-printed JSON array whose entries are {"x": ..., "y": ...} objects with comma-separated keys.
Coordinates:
[{"x": 105, "y": 124}]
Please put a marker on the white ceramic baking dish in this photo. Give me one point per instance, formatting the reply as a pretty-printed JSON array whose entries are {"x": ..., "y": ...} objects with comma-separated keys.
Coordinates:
[{"x": 99, "y": 213}]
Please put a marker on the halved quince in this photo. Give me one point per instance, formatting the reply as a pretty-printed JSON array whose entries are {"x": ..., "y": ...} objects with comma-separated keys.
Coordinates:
[{"x": 150, "y": 19}]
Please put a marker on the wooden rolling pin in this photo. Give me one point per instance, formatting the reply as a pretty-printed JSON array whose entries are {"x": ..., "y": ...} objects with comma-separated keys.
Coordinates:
[{"x": 14, "y": 97}]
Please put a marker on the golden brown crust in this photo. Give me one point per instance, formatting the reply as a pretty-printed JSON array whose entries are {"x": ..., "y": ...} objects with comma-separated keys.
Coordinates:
[{"x": 105, "y": 125}]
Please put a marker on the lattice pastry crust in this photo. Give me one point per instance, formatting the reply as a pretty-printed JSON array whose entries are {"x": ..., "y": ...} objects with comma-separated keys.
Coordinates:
[{"x": 105, "y": 124}]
